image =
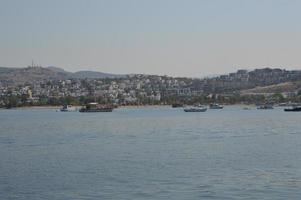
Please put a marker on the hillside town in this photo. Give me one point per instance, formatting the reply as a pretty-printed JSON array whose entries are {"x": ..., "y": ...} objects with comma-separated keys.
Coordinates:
[{"x": 142, "y": 89}]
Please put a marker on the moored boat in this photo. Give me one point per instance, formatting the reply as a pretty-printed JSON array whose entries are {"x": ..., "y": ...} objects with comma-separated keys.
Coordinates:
[
  {"x": 177, "y": 105},
  {"x": 293, "y": 109},
  {"x": 67, "y": 108},
  {"x": 265, "y": 107},
  {"x": 195, "y": 109},
  {"x": 95, "y": 107},
  {"x": 215, "y": 106}
]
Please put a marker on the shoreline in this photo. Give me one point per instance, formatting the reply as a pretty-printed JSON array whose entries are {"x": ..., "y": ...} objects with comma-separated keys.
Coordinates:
[
  {"x": 126, "y": 107},
  {"x": 78, "y": 107}
]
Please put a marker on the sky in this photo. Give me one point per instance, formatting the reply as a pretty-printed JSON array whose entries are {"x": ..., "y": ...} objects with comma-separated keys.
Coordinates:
[{"x": 192, "y": 38}]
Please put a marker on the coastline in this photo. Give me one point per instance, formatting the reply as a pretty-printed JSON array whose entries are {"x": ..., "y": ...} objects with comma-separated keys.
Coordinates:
[
  {"x": 78, "y": 107},
  {"x": 122, "y": 106},
  {"x": 33, "y": 107}
]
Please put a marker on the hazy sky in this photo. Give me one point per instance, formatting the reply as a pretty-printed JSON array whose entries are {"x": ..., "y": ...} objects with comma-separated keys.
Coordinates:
[{"x": 174, "y": 37}]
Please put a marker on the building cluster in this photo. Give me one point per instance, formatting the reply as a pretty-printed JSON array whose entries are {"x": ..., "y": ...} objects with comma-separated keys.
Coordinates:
[
  {"x": 128, "y": 90},
  {"x": 244, "y": 79},
  {"x": 144, "y": 89}
]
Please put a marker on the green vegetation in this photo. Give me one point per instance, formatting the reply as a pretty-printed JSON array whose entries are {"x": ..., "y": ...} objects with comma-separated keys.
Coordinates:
[{"x": 20, "y": 101}]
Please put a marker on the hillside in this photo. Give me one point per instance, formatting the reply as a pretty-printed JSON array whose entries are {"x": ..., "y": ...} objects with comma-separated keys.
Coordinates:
[
  {"x": 93, "y": 75},
  {"x": 20, "y": 76},
  {"x": 277, "y": 88},
  {"x": 265, "y": 80}
]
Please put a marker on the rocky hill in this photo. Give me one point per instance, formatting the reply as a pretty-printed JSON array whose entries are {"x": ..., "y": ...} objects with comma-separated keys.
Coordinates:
[{"x": 20, "y": 76}]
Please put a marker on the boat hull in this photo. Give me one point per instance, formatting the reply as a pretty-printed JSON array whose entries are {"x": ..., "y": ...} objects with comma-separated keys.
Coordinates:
[
  {"x": 177, "y": 105},
  {"x": 96, "y": 110},
  {"x": 195, "y": 110},
  {"x": 215, "y": 106},
  {"x": 292, "y": 109},
  {"x": 67, "y": 110},
  {"x": 265, "y": 107}
]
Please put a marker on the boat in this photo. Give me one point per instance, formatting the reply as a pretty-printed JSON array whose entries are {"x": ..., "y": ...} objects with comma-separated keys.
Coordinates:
[
  {"x": 293, "y": 109},
  {"x": 95, "y": 107},
  {"x": 265, "y": 107},
  {"x": 195, "y": 109},
  {"x": 215, "y": 106},
  {"x": 283, "y": 104},
  {"x": 177, "y": 105},
  {"x": 67, "y": 108}
]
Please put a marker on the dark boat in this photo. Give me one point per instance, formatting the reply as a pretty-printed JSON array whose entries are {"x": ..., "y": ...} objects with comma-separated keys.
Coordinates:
[
  {"x": 293, "y": 109},
  {"x": 265, "y": 107},
  {"x": 196, "y": 109},
  {"x": 215, "y": 106},
  {"x": 177, "y": 105},
  {"x": 95, "y": 107},
  {"x": 67, "y": 108}
]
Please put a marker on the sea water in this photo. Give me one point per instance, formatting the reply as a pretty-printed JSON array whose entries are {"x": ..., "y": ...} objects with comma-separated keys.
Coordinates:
[{"x": 150, "y": 153}]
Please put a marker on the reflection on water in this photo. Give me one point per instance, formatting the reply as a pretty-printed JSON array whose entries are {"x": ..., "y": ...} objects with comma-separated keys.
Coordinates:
[{"x": 151, "y": 153}]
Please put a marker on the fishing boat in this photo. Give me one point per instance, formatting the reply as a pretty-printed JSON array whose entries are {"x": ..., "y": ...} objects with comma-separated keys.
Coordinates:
[
  {"x": 195, "y": 109},
  {"x": 293, "y": 109},
  {"x": 215, "y": 106},
  {"x": 265, "y": 107},
  {"x": 95, "y": 107},
  {"x": 177, "y": 105},
  {"x": 67, "y": 108}
]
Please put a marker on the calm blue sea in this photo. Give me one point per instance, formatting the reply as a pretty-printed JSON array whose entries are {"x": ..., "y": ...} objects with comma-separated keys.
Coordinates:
[{"x": 150, "y": 153}]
